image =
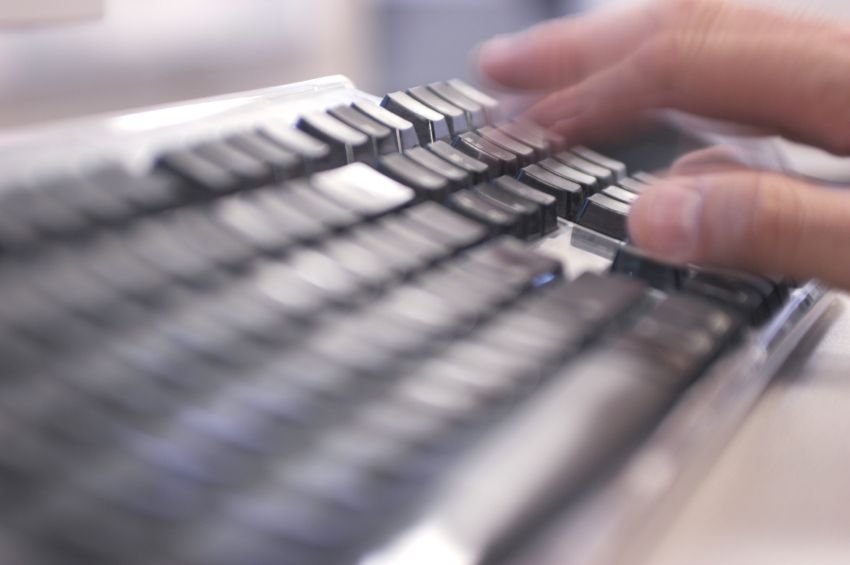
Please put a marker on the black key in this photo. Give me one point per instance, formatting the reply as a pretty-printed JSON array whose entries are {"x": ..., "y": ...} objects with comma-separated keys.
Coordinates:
[
  {"x": 605, "y": 215},
  {"x": 683, "y": 344},
  {"x": 198, "y": 232},
  {"x": 402, "y": 261},
  {"x": 646, "y": 178},
  {"x": 447, "y": 226},
  {"x": 546, "y": 202},
  {"x": 525, "y": 154},
  {"x": 497, "y": 218},
  {"x": 304, "y": 212},
  {"x": 193, "y": 168},
  {"x": 259, "y": 225},
  {"x": 317, "y": 155},
  {"x": 476, "y": 115},
  {"x": 383, "y": 138},
  {"x": 568, "y": 194},
  {"x": 632, "y": 185},
  {"x": 408, "y": 233},
  {"x": 298, "y": 519},
  {"x": 250, "y": 170},
  {"x": 490, "y": 104},
  {"x": 618, "y": 168},
  {"x": 534, "y": 139},
  {"x": 472, "y": 300},
  {"x": 689, "y": 310},
  {"x": 603, "y": 175},
  {"x": 457, "y": 177},
  {"x": 286, "y": 164},
  {"x": 427, "y": 184},
  {"x": 153, "y": 241},
  {"x": 343, "y": 140},
  {"x": 369, "y": 265},
  {"x": 631, "y": 262},
  {"x": 455, "y": 117},
  {"x": 747, "y": 301},
  {"x": 515, "y": 260},
  {"x": 429, "y": 124},
  {"x": 405, "y": 133},
  {"x": 620, "y": 194},
  {"x": 589, "y": 184},
  {"x": 755, "y": 297},
  {"x": 148, "y": 192},
  {"x": 363, "y": 189},
  {"x": 477, "y": 170},
  {"x": 531, "y": 224},
  {"x": 500, "y": 161},
  {"x": 101, "y": 206}
]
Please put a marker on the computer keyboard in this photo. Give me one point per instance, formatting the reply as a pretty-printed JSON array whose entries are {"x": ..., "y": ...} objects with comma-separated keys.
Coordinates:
[{"x": 307, "y": 325}]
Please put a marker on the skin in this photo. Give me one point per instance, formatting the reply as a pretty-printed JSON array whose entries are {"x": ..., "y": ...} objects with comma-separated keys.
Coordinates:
[{"x": 603, "y": 73}]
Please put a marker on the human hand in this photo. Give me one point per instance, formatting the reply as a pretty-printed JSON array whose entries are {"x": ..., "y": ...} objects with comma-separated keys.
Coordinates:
[{"x": 605, "y": 72}]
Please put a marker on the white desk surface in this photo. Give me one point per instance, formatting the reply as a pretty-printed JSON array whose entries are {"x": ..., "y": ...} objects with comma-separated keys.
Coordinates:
[{"x": 779, "y": 494}]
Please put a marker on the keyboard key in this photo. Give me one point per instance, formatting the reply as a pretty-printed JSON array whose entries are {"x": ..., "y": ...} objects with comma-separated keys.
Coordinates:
[
  {"x": 455, "y": 117},
  {"x": 100, "y": 206},
  {"x": 589, "y": 184},
  {"x": 405, "y": 133},
  {"x": 605, "y": 215},
  {"x": 533, "y": 138},
  {"x": 251, "y": 171},
  {"x": 497, "y": 218},
  {"x": 427, "y": 184},
  {"x": 447, "y": 226},
  {"x": 286, "y": 164},
  {"x": 344, "y": 141},
  {"x": 524, "y": 153},
  {"x": 604, "y": 176},
  {"x": 259, "y": 226},
  {"x": 500, "y": 161},
  {"x": 631, "y": 262},
  {"x": 147, "y": 192},
  {"x": 476, "y": 115},
  {"x": 646, "y": 178},
  {"x": 507, "y": 255},
  {"x": 742, "y": 298},
  {"x": 620, "y": 194},
  {"x": 616, "y": 167},
  {"x": 363, "y": 189},
  {"x": 457, "y": 177},
  {"x": 317, "y": 155},
  {"x": 632, "y": 185},
  {"x": 383, "y": 138},
  {"x": 684, "y": 344},
  {"x": 477, "y": 170},
  {"x": 569, "y": 195},
  {"x": 531, "y": 225},
  {"x": 546, "y": 202},
  {"x": 429, "y": 124},
  {"x": 490, "y": 104},
  {"x": 193, "y": 168}
]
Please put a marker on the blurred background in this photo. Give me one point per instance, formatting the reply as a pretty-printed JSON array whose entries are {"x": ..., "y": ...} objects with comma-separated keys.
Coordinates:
[{"x": 61, "y": 58}]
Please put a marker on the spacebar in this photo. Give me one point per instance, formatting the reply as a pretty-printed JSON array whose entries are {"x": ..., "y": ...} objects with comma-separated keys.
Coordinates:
[{"x": 545, "y": 453}]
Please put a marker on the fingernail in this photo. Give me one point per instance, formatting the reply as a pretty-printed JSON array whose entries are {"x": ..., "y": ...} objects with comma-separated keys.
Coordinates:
[{"x": 666, "y": 220}]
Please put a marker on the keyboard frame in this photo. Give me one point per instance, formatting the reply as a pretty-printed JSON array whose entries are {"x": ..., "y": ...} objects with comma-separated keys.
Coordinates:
[{"x": 654, "y": 479}]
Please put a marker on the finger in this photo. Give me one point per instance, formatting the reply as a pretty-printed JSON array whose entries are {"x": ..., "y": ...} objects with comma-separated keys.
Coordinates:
[
  {"x": 563, "y": 51},
  {"x": 719, "y": 158},
  {"x": 751, "y": 79},
  {"x": 747, "y": 220}
]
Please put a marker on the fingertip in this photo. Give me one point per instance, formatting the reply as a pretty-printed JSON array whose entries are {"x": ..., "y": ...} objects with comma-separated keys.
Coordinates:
[
  {"x": 665, "y": 220},
  {"x": 497, "y": 59}
]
